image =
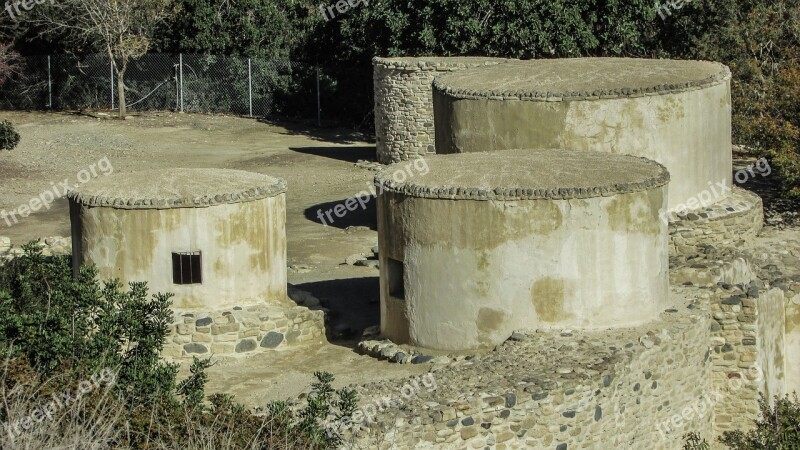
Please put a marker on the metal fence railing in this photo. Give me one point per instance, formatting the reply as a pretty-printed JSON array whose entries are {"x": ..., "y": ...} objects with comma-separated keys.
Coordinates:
[{"x": 183, "y": 82}]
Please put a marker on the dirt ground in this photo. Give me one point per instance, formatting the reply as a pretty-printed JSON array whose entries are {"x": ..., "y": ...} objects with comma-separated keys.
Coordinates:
[{"x": 319, "y": 166}]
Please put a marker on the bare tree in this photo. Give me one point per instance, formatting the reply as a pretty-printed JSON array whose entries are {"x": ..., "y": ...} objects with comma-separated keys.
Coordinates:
[
  {"x": 8, "y": 61},
  {"x": 123, "y": 29}
]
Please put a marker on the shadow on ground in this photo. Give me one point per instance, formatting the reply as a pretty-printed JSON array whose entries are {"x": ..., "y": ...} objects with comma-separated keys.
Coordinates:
[
  {"x": 354, "y": 305},
  {"x": 347, "y": 154},
  {"x": 332, "y": 134},
  {"x": 359, "y": 217},
  {"x": 767, "y": 186}
]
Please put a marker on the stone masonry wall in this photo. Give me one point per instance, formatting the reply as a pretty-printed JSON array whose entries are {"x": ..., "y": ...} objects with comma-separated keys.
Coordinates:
[
  {"x": 404, "y": 103},
  {"x": 559, "y": 390},
  {"x": 55, "y": 245},
  {"x": 749, "y": 301},
  {"x": 747, "y": 354},
  {"x": 242, "y": 331},
  {"x": 735, "y": 219}
]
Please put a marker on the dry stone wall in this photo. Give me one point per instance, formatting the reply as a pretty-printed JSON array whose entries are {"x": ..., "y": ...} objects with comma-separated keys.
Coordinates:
[
  {"x": 557, "y": 390},
  {"x": 243, "y": 331},
  {"x": 404, "y": 103},
  {"x": 50, "y": 246},
  {"x": 736, "y": 219}
]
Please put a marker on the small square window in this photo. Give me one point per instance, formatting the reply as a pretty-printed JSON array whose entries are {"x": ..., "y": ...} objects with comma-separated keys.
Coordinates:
[
  {"x": 187, "y": 268},
  {"x": 396, "y": 275}
]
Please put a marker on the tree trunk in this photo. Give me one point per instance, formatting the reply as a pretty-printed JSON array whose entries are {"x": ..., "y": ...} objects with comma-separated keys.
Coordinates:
[{"x": 121, "y": 92}]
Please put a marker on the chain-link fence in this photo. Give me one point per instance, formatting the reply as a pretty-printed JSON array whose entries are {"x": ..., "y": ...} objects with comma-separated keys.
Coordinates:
[{"x": 191, "y": 83}]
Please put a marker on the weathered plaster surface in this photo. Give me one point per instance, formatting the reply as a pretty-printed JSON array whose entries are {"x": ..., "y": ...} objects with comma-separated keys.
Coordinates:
[
  {"x": 477, "y": 270},
  {"x": 243, "y": 249},
  {"x": 687, "y": 130}
]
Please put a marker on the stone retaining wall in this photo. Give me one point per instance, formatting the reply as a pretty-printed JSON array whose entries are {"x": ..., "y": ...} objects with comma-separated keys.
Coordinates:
[
  {"x": 747, "y": 352},
  {"x": 404, "y": 103},
  {"x": 735, "y": 219},
  {"x": 751, "y": 350},
  {"x": 558, "y": 390},
  {"x": 55, "y": 245},
  {"x": 242, "y": 331}
]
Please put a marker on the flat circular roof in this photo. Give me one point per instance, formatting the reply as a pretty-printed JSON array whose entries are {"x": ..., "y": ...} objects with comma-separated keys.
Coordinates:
[
  {"x": 581, "y": 78},
  {"x": 176, "y": 188},
  {"x": 522, "y": 175},
  {"x": 439, "y": 61}
]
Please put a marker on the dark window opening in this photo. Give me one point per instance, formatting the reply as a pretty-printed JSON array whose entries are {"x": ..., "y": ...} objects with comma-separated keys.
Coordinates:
[
  {"x": 187, "y": 268},
  {"x": 396, "y": 274}
]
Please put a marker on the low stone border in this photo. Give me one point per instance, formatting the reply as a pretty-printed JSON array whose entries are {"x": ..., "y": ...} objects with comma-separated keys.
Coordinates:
[
  {"x": 552, "y": 389},
  {"x": 242, "y": 331},
  {"x": 51, "y": 246},
  {"x": 735, "y": 219}
]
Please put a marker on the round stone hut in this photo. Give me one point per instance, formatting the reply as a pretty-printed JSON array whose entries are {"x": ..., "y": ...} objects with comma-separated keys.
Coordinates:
[
  {"x": 486, "y": 243},
  {"x": 404, "y": 102},
  {"x": 214, "y": 238},
  {"x": 675, "y": 112}
]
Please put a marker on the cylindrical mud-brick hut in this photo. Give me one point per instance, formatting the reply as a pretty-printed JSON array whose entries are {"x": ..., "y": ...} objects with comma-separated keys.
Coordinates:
[
  {"x": 215, "y": 238},
  {"x": 675, "y": 112},
  {"x": 404, "y": 102},
  {"x": 486, "y": 243}
]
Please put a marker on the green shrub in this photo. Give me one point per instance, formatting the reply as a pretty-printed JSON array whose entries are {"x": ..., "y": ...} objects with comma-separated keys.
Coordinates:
[
  {"x": 695, "y": 442},
  {"x": 777, "y": 428},
  {"x": 9, "y": 138},
  {"x": 54, "y": 319},
  {"x": 58, "y": 331}
]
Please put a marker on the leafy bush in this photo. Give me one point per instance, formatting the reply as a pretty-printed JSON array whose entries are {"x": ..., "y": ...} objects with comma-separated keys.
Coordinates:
[
  {"x": 777, "y": 428},
  {"x": 9, "y": 138},
  {"x": 52, "y": 318},
  {"x": 759, "y": 40},
  {"x": 695, "y": 442},
  {"x": 59, "y": 330}
]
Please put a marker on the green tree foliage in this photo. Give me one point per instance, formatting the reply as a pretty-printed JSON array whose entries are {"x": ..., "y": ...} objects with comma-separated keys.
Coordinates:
[
  {"x": 761, "y": 44},
  {"x": 253, "y": 28},
  {"x": 512, "y": 28}
]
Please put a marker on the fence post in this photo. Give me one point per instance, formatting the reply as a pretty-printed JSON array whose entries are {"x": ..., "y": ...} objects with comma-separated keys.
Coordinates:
[
  {"x": 181, "y": 78},
  {"x": 250, "y": 83},
  {"x": 112, "y": 84},
  {"x": 49, "y": 85},
  {"x": 319, "y": 104}
]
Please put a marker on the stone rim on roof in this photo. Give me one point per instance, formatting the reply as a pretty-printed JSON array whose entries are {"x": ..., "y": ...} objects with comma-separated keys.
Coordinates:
[
  {"x": 571, "y": 79},
  {"x": 415, "y": 62},
  {"x": 176, "y": 188},
  {"x": 523, "y": 174}
]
